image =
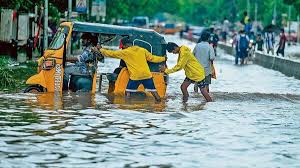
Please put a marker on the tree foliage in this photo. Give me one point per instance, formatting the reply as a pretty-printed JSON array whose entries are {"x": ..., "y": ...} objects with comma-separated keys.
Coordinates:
[
  {"x": 295, "y": 3},
  {"x": 55, "y": 6},
  {"x": 192, "y": 11}
]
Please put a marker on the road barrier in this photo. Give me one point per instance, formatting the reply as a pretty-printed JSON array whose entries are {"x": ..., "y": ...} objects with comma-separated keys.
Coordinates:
[{"x": 281, "y": 64}]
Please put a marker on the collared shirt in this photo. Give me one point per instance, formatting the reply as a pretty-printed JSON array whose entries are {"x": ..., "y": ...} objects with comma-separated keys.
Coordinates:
[
  {"x": 204, "y": 54},
  {"x": 83, "y": 58},
  {"x": 187, "y": 61}
]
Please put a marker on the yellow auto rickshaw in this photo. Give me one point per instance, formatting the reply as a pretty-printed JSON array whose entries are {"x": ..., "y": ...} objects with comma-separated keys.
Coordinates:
[{"x": 51, "y": 65}]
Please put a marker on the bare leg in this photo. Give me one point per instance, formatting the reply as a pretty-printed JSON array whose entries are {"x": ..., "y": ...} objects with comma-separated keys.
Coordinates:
[
  {"x": 205, "y": 94},
  {"x": 127, "y": 94},
  {"x": 207, "y": 88},
  {"x": 184, "y": 91},
  {"x": 111, "y": 87},
  {"x": 127, "y": 97},
  {"x": 156, "y": 96},
  {"x": 242, "y": 61}
]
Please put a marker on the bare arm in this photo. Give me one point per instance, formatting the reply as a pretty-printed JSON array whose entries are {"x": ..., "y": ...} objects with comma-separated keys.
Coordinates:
[
  {"x": 212, "y": 54},
  {"x": 72, "y": 59}
]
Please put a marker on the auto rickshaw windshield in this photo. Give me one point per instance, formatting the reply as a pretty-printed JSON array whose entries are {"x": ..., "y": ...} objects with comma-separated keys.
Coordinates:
[{"x": 59, "y": 38}]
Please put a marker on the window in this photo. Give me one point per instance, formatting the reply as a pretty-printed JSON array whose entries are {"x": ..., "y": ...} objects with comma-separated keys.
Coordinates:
[{"x": 59, "y": 38}]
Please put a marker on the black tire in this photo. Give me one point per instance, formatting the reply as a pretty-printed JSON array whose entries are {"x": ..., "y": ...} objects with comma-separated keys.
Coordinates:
[{"x": 33, "y": 89}]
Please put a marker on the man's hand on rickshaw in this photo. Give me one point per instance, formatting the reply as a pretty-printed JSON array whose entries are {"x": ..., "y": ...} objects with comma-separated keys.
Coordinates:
[
  {"x": 99, "y": 46},
  {"x": 95, "y": 49},
  {"x": 162, "y": 68}
]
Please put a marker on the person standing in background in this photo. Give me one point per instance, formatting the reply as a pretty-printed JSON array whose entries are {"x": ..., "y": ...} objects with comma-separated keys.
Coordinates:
[
  {"x": 242, "y": 45},
  {"x": 248, "y": 27},
  {"x": 225, "y": 29},
  {"x": 205, "y": 55},
  {"x": 245, "y": 19},
  {"x": 259, "y": 42},
  {"x": 281, "y": 44},
  {"x": 270, "y": 40}
]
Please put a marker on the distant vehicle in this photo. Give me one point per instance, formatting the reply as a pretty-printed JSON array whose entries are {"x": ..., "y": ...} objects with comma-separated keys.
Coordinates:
[
  {"x": 140, "y": 21},
  {"x": 292, "y": 37},
  {"x": 197, "y": 31},
  {"x": 170, "y": 28}
]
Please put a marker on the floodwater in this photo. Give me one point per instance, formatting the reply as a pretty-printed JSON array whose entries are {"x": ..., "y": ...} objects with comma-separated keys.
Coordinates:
[{"x": 254, "y": 121}]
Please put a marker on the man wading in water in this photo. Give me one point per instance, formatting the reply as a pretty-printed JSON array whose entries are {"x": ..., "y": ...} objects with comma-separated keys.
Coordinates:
[
  {"x": 136, "y": 59},
  {"x": 193, "y": 70}
]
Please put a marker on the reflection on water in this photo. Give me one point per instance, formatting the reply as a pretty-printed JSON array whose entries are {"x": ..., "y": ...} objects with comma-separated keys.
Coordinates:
[
  {"x": 253, "y": 122},
  {"x": 172, "y": 103}
]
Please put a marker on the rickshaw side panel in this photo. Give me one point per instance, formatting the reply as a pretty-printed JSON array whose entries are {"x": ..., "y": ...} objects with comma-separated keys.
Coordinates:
[{"x": 37, "y": 79}]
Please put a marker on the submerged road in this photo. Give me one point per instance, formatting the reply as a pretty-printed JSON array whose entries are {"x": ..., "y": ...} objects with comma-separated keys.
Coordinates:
[{"x": 254, "y": 121}]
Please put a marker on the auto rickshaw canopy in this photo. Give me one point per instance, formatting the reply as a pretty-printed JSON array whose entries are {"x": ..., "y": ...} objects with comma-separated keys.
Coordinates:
[{"x": 149, "y": 36}]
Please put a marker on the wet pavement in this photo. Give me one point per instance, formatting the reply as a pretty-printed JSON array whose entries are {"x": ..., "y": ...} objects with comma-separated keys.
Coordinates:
[{"x": 254, "y": 121}]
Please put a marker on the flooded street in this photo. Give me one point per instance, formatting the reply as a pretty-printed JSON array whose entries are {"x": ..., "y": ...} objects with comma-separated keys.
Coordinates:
[{"x": 254, "y": 121}]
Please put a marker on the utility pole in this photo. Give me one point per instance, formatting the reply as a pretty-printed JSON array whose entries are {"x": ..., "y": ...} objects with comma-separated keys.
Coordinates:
[
  {"x": 255, "y": 17},
  {"x": 98, "y": 15},
  {"x": 298, "y": 29},
  {"x": 233, "y": 12},
  {"x": 248, "y": 8},
  {"x": 69, "y": 10},
  {"x": 289, "y": 22},
  {"x": 274, "y": 13},
  {"x": 46, "y": 25},
  {"x": 35, "y": 23},
  {"x": 69, "y": 19},
  {"x": 87, "y": 10}
]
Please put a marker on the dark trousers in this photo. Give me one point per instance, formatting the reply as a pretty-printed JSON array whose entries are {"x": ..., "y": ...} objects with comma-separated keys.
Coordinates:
[{"x": 280, "y": 51}]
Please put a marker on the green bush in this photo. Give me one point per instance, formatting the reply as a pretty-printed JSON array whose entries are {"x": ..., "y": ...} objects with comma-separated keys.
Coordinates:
[
  {"x": 6, "y": 78},
  {"x": 13, "y": 76}
]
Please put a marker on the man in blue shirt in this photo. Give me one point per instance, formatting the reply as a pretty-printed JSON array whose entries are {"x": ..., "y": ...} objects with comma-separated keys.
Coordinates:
[
  {"x": 242, "y": 44},
  {"x": 79, "y": 65}
]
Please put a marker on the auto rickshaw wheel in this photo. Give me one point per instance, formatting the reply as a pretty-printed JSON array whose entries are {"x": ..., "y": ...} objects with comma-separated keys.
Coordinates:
[{"x": 33, "y": 89}]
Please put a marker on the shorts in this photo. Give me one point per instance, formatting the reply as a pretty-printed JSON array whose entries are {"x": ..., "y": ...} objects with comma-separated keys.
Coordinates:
[
  {"x": 200, "y": 84},
  {"x": 208, "y": 79},
  {"x": 148, "y": 84}
]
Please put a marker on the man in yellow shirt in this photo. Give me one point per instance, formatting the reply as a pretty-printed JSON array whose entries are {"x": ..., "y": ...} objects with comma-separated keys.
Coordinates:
[
  {"x": 193, "y": 70},
  {"x": 246, "y": 18},
  {"x": 136, "y": 59}
]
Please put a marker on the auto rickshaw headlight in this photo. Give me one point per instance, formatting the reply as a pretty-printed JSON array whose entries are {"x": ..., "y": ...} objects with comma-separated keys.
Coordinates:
[{"x": 48, "y": 64}]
